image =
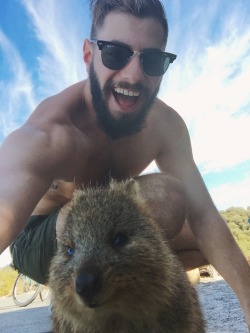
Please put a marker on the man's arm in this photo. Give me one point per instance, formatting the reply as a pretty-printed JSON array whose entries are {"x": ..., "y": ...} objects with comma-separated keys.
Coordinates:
[
  {"x": 27, "y": 168},
  {"x": 212, "y": 234}
]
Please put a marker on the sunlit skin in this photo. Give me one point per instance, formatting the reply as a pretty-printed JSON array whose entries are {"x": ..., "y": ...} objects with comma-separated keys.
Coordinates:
[{"x": 62, "y": 146}]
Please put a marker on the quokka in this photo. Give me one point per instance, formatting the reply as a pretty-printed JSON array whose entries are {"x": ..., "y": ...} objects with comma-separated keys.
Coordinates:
[{"x": 114, "y": 272}]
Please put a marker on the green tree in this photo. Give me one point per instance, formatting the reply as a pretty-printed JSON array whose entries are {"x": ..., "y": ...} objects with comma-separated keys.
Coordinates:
[{"x": 237, "y": 221}]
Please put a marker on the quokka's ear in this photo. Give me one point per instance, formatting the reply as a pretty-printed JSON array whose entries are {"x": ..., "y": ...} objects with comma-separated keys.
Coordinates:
[
  {"x": 129, "y": 187},
  {"x": 132, "y": 187}
]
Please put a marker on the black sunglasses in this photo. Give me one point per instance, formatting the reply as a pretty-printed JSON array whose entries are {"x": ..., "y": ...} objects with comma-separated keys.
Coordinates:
[{"x": 116, "y": 56}]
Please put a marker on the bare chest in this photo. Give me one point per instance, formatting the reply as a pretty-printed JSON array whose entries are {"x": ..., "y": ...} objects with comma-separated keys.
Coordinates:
[
  {"x": 95, "y": 163},
  {"x": 95, "y": 169},
  {"x": 119, "y": 161}
]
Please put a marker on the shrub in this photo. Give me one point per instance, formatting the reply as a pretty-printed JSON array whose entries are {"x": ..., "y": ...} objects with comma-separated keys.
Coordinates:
[{"x": 7, "y": 278}]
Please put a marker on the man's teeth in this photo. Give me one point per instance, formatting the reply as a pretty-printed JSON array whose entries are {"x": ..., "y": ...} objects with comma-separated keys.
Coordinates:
[{"x": 127, "y": 92}]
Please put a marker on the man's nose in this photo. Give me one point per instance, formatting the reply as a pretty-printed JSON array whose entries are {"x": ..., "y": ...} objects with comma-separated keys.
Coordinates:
[{"x": 133, "y": 72}]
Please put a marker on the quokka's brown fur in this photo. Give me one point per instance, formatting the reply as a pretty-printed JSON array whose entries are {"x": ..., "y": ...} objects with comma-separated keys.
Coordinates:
[{"x": 114, "y": 273}]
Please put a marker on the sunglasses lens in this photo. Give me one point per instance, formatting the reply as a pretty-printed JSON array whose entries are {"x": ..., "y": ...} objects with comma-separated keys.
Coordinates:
[
  {"x": 115, "y": 56},
  {"x": 155, "y": 63}
]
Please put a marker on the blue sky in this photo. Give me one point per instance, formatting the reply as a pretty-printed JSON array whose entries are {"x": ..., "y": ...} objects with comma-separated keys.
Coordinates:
[{"x": 208, "y": 84}]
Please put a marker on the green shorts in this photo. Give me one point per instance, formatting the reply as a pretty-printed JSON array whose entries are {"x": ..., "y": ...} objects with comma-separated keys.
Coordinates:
[{"x": 34, "y": 248}]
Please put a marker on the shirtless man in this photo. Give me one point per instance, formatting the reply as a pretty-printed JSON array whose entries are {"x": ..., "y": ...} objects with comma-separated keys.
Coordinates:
[{"x": 112, "y": 125}]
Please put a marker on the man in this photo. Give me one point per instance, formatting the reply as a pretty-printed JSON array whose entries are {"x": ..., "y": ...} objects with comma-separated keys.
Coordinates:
[{"x": 112, "y": 125}]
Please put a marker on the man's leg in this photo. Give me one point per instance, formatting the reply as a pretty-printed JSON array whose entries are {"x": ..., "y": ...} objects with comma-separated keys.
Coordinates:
[
  {"x": 185, "y": 246},
  {"x": 166, "y": 199},
  {"x": 35, "y": 246}
]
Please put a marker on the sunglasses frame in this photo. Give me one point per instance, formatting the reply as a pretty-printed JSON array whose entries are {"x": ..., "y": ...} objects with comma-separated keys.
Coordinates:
[{"x": 102, "y": 43}]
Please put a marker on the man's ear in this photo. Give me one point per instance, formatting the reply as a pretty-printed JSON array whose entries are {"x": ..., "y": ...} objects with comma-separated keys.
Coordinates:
[{"x": 87, "y": 53}]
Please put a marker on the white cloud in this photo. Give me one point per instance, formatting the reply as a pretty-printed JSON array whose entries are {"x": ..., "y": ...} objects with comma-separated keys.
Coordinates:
[
  {"x": 236, "y": 193},
  {"x": 209, "y": 87},
  {"x": 60, "y": 60},
  {"x": 16, "y": 94},
  {"x": 58, "y": 29}
]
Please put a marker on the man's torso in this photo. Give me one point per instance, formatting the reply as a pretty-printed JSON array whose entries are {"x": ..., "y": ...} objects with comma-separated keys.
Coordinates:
[{"x": 95, "y": 158}]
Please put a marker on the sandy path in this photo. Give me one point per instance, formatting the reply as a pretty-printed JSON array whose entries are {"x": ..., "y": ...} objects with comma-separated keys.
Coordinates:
[{"x": 221, "y": 308}]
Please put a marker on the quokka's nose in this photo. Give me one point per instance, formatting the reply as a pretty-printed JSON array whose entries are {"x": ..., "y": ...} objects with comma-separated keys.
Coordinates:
[{"x": 88, "y": 284}]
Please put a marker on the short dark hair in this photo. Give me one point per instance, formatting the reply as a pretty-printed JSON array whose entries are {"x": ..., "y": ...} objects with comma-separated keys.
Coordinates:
[{"x": 139, "y": 8}]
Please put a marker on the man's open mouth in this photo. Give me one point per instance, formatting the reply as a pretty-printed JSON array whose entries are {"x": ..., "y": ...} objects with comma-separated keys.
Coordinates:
[{"x": 126, "y": 98}]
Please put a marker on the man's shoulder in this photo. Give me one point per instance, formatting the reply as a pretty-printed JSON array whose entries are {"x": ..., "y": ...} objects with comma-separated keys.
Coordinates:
[
  {"x": 171, "y": 131},
  {"x": 64, "y": 99},
  {"x": 166, "y": 117},
  {"x": 173, "y": 139},
  {"x": 58, "y": 110}
]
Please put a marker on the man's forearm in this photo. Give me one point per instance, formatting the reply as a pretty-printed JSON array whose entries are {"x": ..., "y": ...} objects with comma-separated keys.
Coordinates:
[
  {"x": 8, "y": 230},
  {"x": 11, "y": 224}
]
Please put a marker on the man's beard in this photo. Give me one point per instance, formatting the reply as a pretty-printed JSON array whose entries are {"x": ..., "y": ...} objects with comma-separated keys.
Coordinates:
[{"x": 127, "y": 124}]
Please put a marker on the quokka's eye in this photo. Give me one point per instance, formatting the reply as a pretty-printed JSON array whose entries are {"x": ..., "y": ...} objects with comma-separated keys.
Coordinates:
[
  {"x": 70, "y": 251},
  {"x": 119, "y": 241}
]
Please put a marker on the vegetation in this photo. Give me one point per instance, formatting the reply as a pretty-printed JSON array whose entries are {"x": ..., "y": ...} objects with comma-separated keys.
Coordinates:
[
  {"x": 7, "y": 278},
  {"x": 238, "y": 220}
]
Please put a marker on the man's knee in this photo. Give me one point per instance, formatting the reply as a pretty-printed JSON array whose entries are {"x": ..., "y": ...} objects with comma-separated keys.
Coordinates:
[
  {"x": 192, "y": 259},
  {"x": 165, "y": 197},
  {"x": 186, "y": 248}
]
